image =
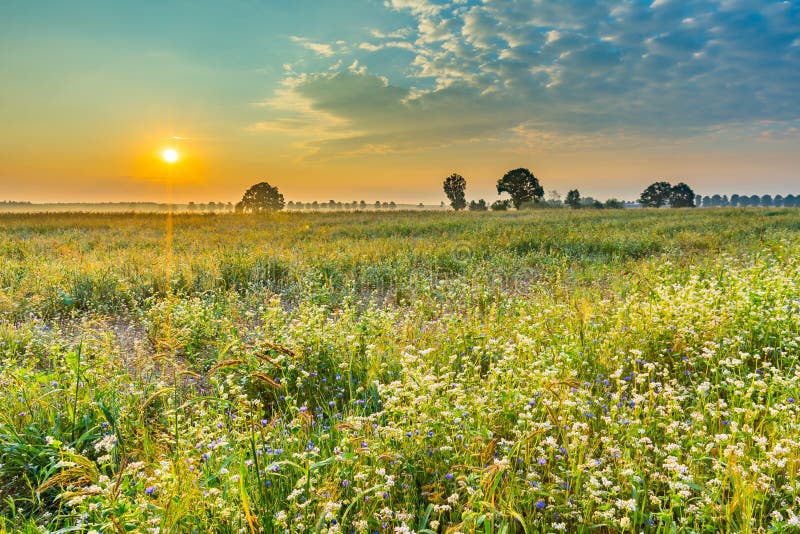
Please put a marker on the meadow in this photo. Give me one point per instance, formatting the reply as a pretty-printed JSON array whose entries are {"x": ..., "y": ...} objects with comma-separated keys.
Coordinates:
[{"x": 534, "y": 371}]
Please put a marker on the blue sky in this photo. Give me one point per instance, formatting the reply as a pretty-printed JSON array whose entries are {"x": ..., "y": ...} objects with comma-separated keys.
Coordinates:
[{"x": 337, "y": 98}]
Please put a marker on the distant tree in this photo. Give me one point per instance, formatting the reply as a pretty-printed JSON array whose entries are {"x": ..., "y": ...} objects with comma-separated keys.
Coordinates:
[
  {"x": 755, "y": 200},
  {"x": 420, "y": 205},
  {"x": 706, "y": 201},
  {"x": 734, "y": 200},
  {"x": 385, "y": 205},
  {"x": 239, "y": 208},
  {"x": 501, "y": 205},
  {"x": 191, "y": 206},
  {"x": 392, "y": 205},
  {"x": 725, "y": 201},
  {"x": 261, "y": 198},
  {"x": 778, "y": 201},
  {"x": 681, "y": 196},
  {"x": 716, "y": 200},
  {"x": 522, "y": 185},
  {"x": 363, "y": 205},
  {"x": 554, "y": 196},
  {"x": 573, "y": 199},
  {"x": 590, "y": 203},
  {"x": 790, "y": 201},
  {"x": 698, "y": 200},
  {"x": 290, "y": 205},
  {"x": 478, "y": 206},
  {"x": 766, "y": 201},
  {"x": 614, "y": 204},
  {"x": 656, "y": 195},
  {"x": 377, "y": 204},
  {"x": 455, "y": 187}
]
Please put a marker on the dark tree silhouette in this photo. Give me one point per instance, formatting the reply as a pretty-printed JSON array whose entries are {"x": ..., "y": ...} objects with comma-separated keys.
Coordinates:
[
  {"x": 261, "y": 198},
  {"x": 656, "y": 195},
  {"x": 573, "y": 199},
  {"x": 681, "y": 196},
  {"x": 454, "y": 187},
  {"x": 478, "y": 206},
  {"x": 522, "y": 185},
  {"x": 501, "y": 205}
]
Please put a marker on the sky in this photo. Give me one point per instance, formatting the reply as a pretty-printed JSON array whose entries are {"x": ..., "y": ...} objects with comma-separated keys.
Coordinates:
[{"x": 381, "y": 100}]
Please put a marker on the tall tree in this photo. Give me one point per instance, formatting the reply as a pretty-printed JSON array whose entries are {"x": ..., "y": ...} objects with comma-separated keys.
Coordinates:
[
  {"x": 522, "y": 185},
  {"x": 573, "y": 199},
  {"x": 455, "y": 187},
  {"x": 260, "y": 198},
  {"x": 656, "y": 195},
  {"x": 681, "y": 196}
]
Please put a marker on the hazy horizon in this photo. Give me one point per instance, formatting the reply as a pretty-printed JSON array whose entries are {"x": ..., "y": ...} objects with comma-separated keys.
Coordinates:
[{"x": 383, "y": 100}]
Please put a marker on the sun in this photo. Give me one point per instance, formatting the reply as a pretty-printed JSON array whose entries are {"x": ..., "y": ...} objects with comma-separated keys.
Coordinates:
[{"x": 170, "y": 155}]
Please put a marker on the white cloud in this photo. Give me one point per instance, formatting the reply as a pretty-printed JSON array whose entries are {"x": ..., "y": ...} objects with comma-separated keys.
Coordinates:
[
  {"x": 321, "y": 49},
  {"x": 580, "y": 67}
]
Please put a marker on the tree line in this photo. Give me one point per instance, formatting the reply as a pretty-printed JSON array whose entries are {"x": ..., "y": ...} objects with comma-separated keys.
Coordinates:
[
  {"x": 744, "y": 201},
  {"x": 525, "y": 191}
]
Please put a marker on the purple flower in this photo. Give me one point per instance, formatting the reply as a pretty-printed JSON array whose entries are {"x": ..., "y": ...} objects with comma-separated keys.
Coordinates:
[
  {"x": 541, "y": 505},
  {"x": 149, "y": 490},
  {"x": 449, "y": 476}
]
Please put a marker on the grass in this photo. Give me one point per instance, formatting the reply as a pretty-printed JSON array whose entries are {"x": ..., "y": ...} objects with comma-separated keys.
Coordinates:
[{"x": 627, "y": 370}]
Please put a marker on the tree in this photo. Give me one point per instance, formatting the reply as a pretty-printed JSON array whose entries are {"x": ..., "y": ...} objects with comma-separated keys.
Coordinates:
[
  {"x": 734, "y": 200},
  {"x": 522, "y": 185},
  {"x": 573, "y": 199},
  {"x": 656, "y": 195},
  {"x": 454, "y": 187},
  {"x": 261, "y": 198},
  {"x": 501, "y": 205},
  {"x": 766, "y": 201},
  {"x": 614, "y": 204},
  {"x": 478, "y": 206},
  {"x": 681, "y": 196},
  {"x": 790, "y": 201}
]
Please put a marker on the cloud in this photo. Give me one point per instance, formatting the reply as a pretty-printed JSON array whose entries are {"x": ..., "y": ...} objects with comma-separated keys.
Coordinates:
[
  {"x": 572, "y": 68},
  {"x": 321, "y": 49}
]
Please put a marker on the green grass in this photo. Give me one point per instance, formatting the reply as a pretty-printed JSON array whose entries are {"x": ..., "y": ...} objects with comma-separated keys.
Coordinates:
[{"x": 626, "y": 370}]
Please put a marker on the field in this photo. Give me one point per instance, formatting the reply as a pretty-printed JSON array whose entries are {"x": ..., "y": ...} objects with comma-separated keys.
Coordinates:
[{"x": 540, "y": 371}]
